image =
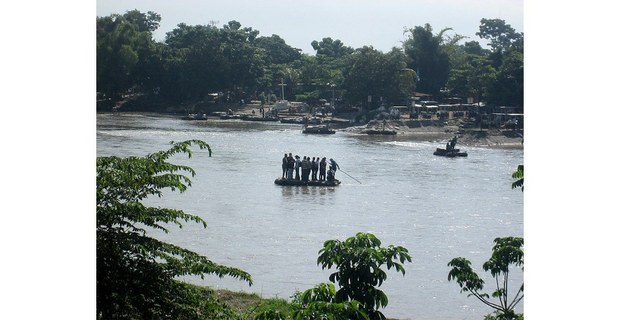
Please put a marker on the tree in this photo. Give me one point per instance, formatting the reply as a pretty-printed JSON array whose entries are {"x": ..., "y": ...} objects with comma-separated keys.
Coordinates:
[
  {"x": 371, "y": 72},
  {"x": 474, "y": 77},
  {"x": 277, "y": 51},
  {"x": 501, "y": 35},
  {"x": 358, "y": 261},
  {"x": 136, "y": 273},
  {"x": 320, "y": 303},
  {"x": 518, "y": 176},
  {"x": 124, "y": 46},
  {"x": 507, "y": 89},
  {"x": 331, "y": 48},
  {"x": 506, "y": 252},
  {"x": 428, "y": 57}
]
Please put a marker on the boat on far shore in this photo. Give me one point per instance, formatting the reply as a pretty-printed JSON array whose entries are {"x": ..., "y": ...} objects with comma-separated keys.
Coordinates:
[
  {"x": 195, "y": 116},
  {"x": 318, "y": 129},
  {"x": 318, "y": 183}
]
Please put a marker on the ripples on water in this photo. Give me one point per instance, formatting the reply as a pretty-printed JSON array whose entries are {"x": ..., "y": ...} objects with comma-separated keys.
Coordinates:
[{"x": 438, "y": 208}]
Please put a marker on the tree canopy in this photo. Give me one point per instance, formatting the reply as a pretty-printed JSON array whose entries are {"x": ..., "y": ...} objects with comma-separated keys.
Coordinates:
[{"x": 234, "y": 61}]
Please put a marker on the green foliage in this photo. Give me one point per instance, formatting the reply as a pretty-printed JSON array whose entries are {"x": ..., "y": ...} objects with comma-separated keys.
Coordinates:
[
  {"x": 124, "y": 45},
  {"x": 273, "y": 309},
  {"x": 506, "y": 252},
  {"x": 198, "y": 60},
  {"x": 320, "y": 303},
  {"x": 277, "y": 51},
  {"x": 518, "y": 177},
  {"x": 331, "y": 48},
  {"x": 428, "y": 57},
  {"x": 380, "y": 75},
  {"x": 358, "y": 261},
  {"x": 135, "y": 272},
  {"x": 501, "y": 35}
]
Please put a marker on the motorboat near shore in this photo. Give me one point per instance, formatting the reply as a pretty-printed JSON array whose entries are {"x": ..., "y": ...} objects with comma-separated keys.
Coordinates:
[
  {"x": 317, "y": 183},
  {"x": 450, "y": 151},
  {"x": 318, "y": 129}
]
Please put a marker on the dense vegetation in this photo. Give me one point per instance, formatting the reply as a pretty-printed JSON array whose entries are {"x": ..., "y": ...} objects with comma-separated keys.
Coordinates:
[
  {"x": 135, "y": 272},
  {"x": 201, "y": 64}
]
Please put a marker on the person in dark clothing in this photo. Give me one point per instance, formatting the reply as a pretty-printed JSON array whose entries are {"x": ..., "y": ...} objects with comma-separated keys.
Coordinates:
[
  {"x": 315, "y": 167},
  {"x": 322, "y": 169},
  {"x": 331, "y": 175},
  {"x": 284, "y": 165},
  {"x": 290, "y": 166},
  {"x": 306, "y": 166}
]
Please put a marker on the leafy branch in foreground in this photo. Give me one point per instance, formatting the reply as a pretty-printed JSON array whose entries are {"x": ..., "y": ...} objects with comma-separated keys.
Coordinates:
[
  {"x": 359, "y": 260},
  {"x": 506, "y": 252},
  {"x": 135, "y": 272},
  {"x": 518, "y": 177}
]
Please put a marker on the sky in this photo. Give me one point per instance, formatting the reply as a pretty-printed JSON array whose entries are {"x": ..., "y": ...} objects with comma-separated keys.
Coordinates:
[{"x": 377, "y": 23}]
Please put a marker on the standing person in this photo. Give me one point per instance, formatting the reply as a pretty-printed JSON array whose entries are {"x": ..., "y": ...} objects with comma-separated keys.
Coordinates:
[
  {"x": 333, "y": 165},
  {"x": 305, "y": 169},
  {"x": 315, "y": 167},
  {"x": 290, "y": 166},
  {"x": 284, "y": 165},
  {"x": 297, "y": 166},
  {"x": 322, "y": 169}
]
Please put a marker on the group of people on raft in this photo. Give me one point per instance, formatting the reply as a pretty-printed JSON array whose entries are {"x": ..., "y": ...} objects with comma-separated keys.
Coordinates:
[{"x": 309, "y": 168}]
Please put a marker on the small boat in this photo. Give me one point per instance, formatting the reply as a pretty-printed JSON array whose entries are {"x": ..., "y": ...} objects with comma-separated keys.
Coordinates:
[
  {"x": 449, "y": 153},
  {"x": 318, "y": 129},
  {"x": 286, "y": 182},
  {"x": 195, "y": 116}
]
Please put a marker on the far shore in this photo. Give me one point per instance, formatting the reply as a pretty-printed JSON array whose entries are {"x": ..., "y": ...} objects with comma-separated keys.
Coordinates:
[
  {"x": 406, "y": 129},
  {"x": 424, "y": 130}
]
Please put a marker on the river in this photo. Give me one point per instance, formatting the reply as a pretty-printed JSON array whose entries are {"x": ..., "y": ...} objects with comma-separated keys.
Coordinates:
[{"x": 438, "y": 208}]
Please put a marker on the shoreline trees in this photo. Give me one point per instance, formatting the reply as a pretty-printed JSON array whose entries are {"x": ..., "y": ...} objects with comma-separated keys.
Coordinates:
[{"x": 195, "y": 62}]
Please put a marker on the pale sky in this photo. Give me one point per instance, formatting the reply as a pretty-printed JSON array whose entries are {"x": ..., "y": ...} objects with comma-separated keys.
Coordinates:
[{"x": 355, "y": 22}]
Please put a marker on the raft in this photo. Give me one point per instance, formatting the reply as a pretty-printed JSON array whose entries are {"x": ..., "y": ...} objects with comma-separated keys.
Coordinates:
[
  {"x": 451, "y": 153},
  {"x": 286, "y": 182}
]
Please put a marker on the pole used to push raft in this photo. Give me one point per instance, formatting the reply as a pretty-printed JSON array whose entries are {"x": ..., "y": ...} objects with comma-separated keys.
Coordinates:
[{"x": 350, "y": 176}]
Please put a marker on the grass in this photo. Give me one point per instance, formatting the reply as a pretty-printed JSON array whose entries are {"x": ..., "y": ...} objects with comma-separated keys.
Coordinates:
[{"x": 248, "y": 305}]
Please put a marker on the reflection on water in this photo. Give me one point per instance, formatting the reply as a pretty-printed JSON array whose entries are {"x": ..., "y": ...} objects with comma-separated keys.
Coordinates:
[
  {"x": 291, "y": 191},
  {"x": 438, "y": 208}
]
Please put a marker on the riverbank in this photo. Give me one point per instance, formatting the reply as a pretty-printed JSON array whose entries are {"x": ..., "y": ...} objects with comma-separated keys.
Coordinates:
[{"x": 420, "y": 130}]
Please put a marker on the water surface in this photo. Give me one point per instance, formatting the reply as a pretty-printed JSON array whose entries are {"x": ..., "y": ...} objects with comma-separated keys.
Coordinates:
[{"x": 438, "y": 208}]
